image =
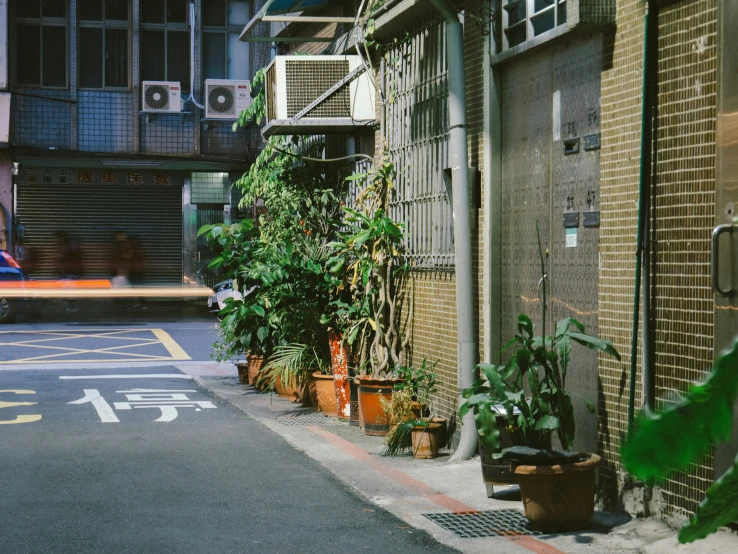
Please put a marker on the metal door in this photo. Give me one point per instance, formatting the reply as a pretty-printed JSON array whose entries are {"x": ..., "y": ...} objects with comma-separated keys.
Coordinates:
[
  {"x": 551, "y": 167},
  {"x": 725, "y": 236}
]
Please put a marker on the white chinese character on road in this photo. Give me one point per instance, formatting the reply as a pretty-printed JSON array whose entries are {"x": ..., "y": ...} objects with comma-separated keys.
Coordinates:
[{"x": 168, "y": 401}]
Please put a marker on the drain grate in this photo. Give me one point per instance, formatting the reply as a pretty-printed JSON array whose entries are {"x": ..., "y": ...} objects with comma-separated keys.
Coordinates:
[
  {"x": 307, "y": 418},
  {"x": 490, "y": 523},
  {"x": 222, "y": 379}
]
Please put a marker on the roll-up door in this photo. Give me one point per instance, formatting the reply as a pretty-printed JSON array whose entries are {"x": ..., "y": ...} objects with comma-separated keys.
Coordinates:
[{"x": 91, "y": 214}]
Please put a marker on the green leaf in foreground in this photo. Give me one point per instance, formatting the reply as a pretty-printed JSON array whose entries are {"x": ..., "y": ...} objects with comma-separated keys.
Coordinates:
[
  {"x": 670, "y": 440},
  {"x": 719, "y": 508}
]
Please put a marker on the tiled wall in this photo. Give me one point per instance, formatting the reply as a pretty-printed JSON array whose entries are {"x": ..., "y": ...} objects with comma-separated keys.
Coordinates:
[
  {"x": 105, "y": 121},
  {"x": 684, "y": 208}
]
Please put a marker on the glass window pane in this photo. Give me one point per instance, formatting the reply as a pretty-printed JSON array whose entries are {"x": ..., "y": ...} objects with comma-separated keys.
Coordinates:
[
  {"x": 29, "y": 55},
  {"x": 561, "y": 13},
  {"x": 54, "y": 8},
  {"x": 116, "y": 58},
  {"x": 178, "y": 58},
  {"x": 543, "y": 22},
  {"x": 213, "y": 55},
  {"x": 152, "y": 11},
  {"x": 239, "y": 58},
  {"x": 214, "y": 13},
  {"x": 515, "y": 12},
  {"x": 152, "y": 56},
  {"x": 30, "y": 8},
  {"x": 89, "y": 10},
  {"x": 239, "y": 12},
  {"x": 90, "y": 58},
  {"x": 116, "y": 9},
  {"x": 538, "y": 5},
  {"x": 54, "y": 51},
  {"x": 177, "y": 11}
]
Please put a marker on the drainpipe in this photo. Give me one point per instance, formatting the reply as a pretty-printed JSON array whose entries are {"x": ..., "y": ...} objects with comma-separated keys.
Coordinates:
[
  {"x": 650, "y": 49},
  {"x": 466, "y": 346}
]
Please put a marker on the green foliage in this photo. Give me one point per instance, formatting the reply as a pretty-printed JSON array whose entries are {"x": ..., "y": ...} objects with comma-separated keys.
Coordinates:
[
  {"x": 421, "y": 382},
  {"x": 541, "y": 362},
  {"x": 294, "y": 362},
  {"x": 667, "y": 442}
]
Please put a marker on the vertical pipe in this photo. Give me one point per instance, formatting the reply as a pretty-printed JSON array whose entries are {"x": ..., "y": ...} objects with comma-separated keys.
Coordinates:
[
  {"x": 466, "y": 342},
  {"x": 643, "y": 197}
]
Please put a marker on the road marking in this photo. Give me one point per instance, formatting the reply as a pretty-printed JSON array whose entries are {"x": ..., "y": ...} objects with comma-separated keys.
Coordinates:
[
  {"x": 130, "y": 339},
  {"x": 30, "y": 418},
  {"x": 134, "y": 376}
]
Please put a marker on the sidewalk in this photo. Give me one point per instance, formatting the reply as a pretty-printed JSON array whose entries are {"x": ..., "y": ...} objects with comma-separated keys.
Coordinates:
[{"x": 414, "y": 489}]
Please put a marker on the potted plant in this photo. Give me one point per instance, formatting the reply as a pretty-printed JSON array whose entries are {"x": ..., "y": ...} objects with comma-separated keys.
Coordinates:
[
  {"x": 410, "y": 414},
  {"x": 371, "y": 257},
  {"x": 291, "y": 369},
  {"x": 558, "y": 488}
]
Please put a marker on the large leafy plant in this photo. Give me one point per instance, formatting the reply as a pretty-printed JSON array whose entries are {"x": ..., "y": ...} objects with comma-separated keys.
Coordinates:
[
  {"x": 667, "y": 442},
  {"x": 541, "y": 363}
]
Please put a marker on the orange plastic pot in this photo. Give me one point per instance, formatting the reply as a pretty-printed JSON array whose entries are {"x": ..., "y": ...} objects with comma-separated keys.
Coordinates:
[{"x": 376, "y": 420}]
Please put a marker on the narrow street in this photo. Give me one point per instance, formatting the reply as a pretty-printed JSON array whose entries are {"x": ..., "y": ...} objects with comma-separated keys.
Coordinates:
[{"x": 109, "y": 447}]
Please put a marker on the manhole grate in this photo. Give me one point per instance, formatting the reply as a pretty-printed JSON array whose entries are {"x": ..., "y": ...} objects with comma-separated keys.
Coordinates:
[
  {"x": 490, "y": 523},
  {"x": 307, "y": 418},
  {"x": 223, "y": 379}
]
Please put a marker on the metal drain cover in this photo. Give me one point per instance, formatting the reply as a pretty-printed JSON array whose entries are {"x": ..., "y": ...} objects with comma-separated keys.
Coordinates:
[
  {"x": 222, "y": 379},
  {"x": 490, "y": 523},
  {"x": 307, "y": 418}
]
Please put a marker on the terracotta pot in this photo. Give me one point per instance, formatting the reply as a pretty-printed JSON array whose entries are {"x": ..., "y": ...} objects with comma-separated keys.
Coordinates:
[
  {"x": 339, "y": 368},
  {"x": 560, "y": 497},
  {"x": 326, "y": 393},
  {"x": 418, "y": 411},
  {"x": 243, "y": 373},
  {"x": 376, "y": 420},
  {"x": 255, "y": 365},
  {"x": 290, "y": 391},
  {"x": 428, "y": 440}
]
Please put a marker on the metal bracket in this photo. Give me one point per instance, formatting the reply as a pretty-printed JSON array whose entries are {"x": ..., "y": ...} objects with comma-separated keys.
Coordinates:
[
  {"x": 335, "y": 88},
  {"x": 719, "y": 230}
]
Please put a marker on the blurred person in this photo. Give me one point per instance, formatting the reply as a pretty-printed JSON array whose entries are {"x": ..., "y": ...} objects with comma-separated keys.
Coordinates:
[
  {"x": 68, "y": 262},
  {"x": 25, "y": 256},
  {"x": 120, "y": 254},
  {"x": 137, "y": 267}
]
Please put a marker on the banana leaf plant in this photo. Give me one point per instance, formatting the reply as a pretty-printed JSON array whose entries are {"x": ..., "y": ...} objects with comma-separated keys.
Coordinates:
[
  {"x": 541, "y": 362},
  {"x": 667, "y": 442}
]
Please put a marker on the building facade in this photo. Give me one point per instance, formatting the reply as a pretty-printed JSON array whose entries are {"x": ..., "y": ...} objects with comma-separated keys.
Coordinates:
[{"x": 89, "y": 153}]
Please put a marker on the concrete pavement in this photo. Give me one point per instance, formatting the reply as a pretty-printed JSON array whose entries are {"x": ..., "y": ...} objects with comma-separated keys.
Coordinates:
[{"x": 412, "y": 489}]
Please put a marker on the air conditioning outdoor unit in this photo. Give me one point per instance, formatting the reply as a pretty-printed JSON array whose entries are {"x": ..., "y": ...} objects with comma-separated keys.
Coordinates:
[
  {"x": 161, "y": 97},
  {"x": 225, "y": 99},
  {"x": 317, "y": 95}
]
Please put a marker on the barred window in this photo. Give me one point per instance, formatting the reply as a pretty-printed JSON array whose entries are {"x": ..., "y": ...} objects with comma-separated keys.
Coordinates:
[
  {"x": 42, "y": 43},
  {"x": 224, "y": 56},
  {"x": 103, "y": 44}
]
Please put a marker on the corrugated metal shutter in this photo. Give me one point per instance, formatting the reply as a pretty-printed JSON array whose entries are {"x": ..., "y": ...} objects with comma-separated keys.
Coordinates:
[{"x": 91, "y": 214}]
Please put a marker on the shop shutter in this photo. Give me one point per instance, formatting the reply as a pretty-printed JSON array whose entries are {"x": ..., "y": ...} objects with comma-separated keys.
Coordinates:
[{"x": 91, "y": 214}]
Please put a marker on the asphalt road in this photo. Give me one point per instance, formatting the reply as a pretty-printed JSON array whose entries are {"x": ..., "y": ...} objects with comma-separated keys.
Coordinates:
[{"x": 86, "y": 466}]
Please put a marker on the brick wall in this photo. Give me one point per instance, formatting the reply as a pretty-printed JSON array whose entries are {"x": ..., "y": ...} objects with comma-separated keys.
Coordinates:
[{"x": 684, "y": 208}]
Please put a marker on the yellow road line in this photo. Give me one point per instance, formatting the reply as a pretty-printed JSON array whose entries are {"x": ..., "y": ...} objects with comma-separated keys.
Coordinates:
[{"x": 169, "y": 343}]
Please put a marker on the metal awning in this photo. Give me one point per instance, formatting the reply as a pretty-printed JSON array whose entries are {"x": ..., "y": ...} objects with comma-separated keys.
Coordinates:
[{"x": 290, "y": 11}]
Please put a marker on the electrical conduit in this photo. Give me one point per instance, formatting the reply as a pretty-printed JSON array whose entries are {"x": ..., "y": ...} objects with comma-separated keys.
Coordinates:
[{"x": 467, "y": 349}]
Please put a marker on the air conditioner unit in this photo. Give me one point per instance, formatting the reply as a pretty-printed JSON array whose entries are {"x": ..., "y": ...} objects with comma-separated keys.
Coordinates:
[
  {"x": 295, "y": 83},
  {"x": 161, "y": 97},
  {"x": 225, "y": 99}
]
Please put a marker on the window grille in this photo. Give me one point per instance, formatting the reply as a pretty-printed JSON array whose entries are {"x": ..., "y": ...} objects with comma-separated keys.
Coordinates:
[{"x": 416, "y": 122}]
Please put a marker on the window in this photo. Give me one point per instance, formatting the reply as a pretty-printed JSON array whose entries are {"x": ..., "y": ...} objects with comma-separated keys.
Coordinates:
[
  {"x": 223, "y": 55},
  {"x": 41, "y": 44},
  {"x": 526, "y": 19},
  {"x": 103, "y": 43},
  {"x": 165, "y": 41}
]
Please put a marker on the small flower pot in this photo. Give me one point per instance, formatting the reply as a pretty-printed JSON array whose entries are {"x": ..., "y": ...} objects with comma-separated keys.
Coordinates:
[
  {"x": 561, "y": 497},
  {"x": 427, "y": 440},
  {"x": 371, "y": 390},
  {"x": 326, "y": 393}
]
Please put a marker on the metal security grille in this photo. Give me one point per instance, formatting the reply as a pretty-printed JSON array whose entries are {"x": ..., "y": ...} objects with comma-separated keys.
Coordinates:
[
  {"x": 416, "y": 119},
  {"x": 91, "y": 214},
  {"x": 211, "y": 188},
  {"x": 307, "y": 80},
  {"x": 271, "y": 92},
  {"x": 491, "y": 523}
]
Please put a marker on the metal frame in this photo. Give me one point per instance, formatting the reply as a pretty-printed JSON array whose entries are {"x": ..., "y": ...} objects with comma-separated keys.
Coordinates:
[
  {"x": 42, "y": 22},
  {"x": 226, "y": 30},
  {"x": 262, "y": 16}
]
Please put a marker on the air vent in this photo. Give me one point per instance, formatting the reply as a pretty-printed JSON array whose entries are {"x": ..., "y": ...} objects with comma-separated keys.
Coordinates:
[{"x": 161, "y": 96}]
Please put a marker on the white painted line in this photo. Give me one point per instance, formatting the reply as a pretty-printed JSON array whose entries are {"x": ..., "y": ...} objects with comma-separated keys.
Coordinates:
[{"x": 133, "y": 376}]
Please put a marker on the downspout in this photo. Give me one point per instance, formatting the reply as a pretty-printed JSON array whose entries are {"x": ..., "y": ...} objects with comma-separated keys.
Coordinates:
[
  {"x": 650, "y": 24},
  {"x": 466, "y": 345}
]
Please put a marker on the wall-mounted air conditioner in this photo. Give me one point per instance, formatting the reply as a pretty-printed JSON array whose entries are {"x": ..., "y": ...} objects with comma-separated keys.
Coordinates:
[
  {"x": 161, "y": 97},
  {"x": 225, "y": 99},
  {"x": 303, "y": 95},
  {"x": 3, "y": 44}
]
